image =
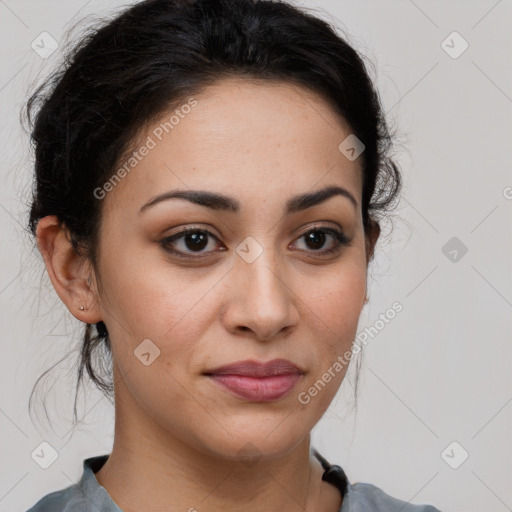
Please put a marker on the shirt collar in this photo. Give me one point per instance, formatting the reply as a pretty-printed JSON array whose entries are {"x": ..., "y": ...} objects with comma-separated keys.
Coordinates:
[
  {"x": 92, "y": 490},
  {"x": 99, "y": 496}
]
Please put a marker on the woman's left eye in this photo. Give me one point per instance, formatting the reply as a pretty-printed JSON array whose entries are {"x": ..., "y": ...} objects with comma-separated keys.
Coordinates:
[
  {"x": 196, "y": 240},
  {"x": 317, "y": 236}
]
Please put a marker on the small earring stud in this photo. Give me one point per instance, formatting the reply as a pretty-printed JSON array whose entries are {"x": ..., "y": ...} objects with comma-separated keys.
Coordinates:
[{"x": 82, "y": 308}]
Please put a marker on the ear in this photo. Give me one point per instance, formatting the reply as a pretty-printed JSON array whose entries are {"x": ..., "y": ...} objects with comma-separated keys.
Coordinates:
[
  {"x": 371, "y": 240},
  {"x": 71, "y": 275}
]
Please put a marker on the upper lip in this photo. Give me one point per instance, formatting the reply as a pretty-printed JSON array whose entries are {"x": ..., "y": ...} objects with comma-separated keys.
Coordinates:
[{"x": 252, "y": 368}]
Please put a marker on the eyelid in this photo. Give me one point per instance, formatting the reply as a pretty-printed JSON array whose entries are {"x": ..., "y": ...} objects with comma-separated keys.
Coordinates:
[{"x": 318, "y": 225}]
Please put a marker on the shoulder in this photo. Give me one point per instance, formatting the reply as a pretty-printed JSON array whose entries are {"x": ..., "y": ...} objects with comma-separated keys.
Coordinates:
[
  {"x": 85, "y": 496},
  {"x": 361, "y": 497},
  {"x": 66, "y": 500}
]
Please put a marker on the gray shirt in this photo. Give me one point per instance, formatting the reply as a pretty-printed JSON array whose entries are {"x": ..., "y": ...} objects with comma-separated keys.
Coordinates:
[{"x": 89, "y": 496}]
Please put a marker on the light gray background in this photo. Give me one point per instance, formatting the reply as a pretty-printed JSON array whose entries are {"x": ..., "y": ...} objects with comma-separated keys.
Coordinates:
[{"x": 439, "y": 372}]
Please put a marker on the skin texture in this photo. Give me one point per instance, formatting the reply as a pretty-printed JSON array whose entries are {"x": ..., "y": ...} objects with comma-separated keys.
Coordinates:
[{"x": 179, "y": 437}]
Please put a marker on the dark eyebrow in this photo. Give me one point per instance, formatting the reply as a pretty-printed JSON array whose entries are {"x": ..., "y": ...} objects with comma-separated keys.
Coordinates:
[
  {"x": 221, "y": 202},
  {"x": 303, "y": 201}
]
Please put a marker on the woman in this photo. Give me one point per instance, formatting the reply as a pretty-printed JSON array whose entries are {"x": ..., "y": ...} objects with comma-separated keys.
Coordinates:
[{"x": 209, "y": 176}]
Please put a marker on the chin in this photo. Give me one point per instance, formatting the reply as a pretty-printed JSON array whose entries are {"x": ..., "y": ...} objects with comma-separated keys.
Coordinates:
[{"x": 249, "y": 445}]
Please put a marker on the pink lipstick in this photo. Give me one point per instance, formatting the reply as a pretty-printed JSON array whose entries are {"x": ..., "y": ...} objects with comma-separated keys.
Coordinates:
[{"x": 257, "y": 381}]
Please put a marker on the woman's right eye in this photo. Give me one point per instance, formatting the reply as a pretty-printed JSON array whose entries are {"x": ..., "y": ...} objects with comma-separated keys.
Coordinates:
[{"x": 192, "y": 239}]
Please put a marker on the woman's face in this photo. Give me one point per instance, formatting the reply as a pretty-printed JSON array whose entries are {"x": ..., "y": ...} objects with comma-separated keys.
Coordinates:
[{"x": 258, "y": 283}]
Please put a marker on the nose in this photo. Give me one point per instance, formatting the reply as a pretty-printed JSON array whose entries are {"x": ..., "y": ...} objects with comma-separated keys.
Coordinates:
[{"x": 260, "y": 298}]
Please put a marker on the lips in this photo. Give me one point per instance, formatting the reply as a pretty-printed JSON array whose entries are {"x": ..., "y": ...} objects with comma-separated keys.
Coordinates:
[
  {"x": 251, "y": 368},
  {"x": 257, "y": 381}
]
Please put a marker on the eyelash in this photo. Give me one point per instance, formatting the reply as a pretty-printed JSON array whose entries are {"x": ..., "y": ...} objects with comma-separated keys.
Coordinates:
[{"x": 339, "y": 237}]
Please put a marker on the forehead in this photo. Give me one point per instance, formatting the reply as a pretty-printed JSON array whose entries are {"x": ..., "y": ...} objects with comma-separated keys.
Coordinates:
[{"x": 247, "y": 136}]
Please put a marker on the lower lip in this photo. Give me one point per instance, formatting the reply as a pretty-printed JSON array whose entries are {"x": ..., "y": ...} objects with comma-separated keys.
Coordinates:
[{"x": 258, "y": 389}]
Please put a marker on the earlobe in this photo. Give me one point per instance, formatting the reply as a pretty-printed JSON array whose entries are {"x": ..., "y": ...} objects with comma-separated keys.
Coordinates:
[{"x": 69, "y": 272}]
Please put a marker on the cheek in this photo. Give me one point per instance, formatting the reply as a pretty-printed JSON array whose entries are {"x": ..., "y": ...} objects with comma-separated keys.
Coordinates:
[
  {"x": 154, "y": 299},
  {"x": 169, "y": 306},
  {"x": 332, "y": 315},
  {"x": 161, "y": 318},
  {"x": 335, "y": 300}
]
